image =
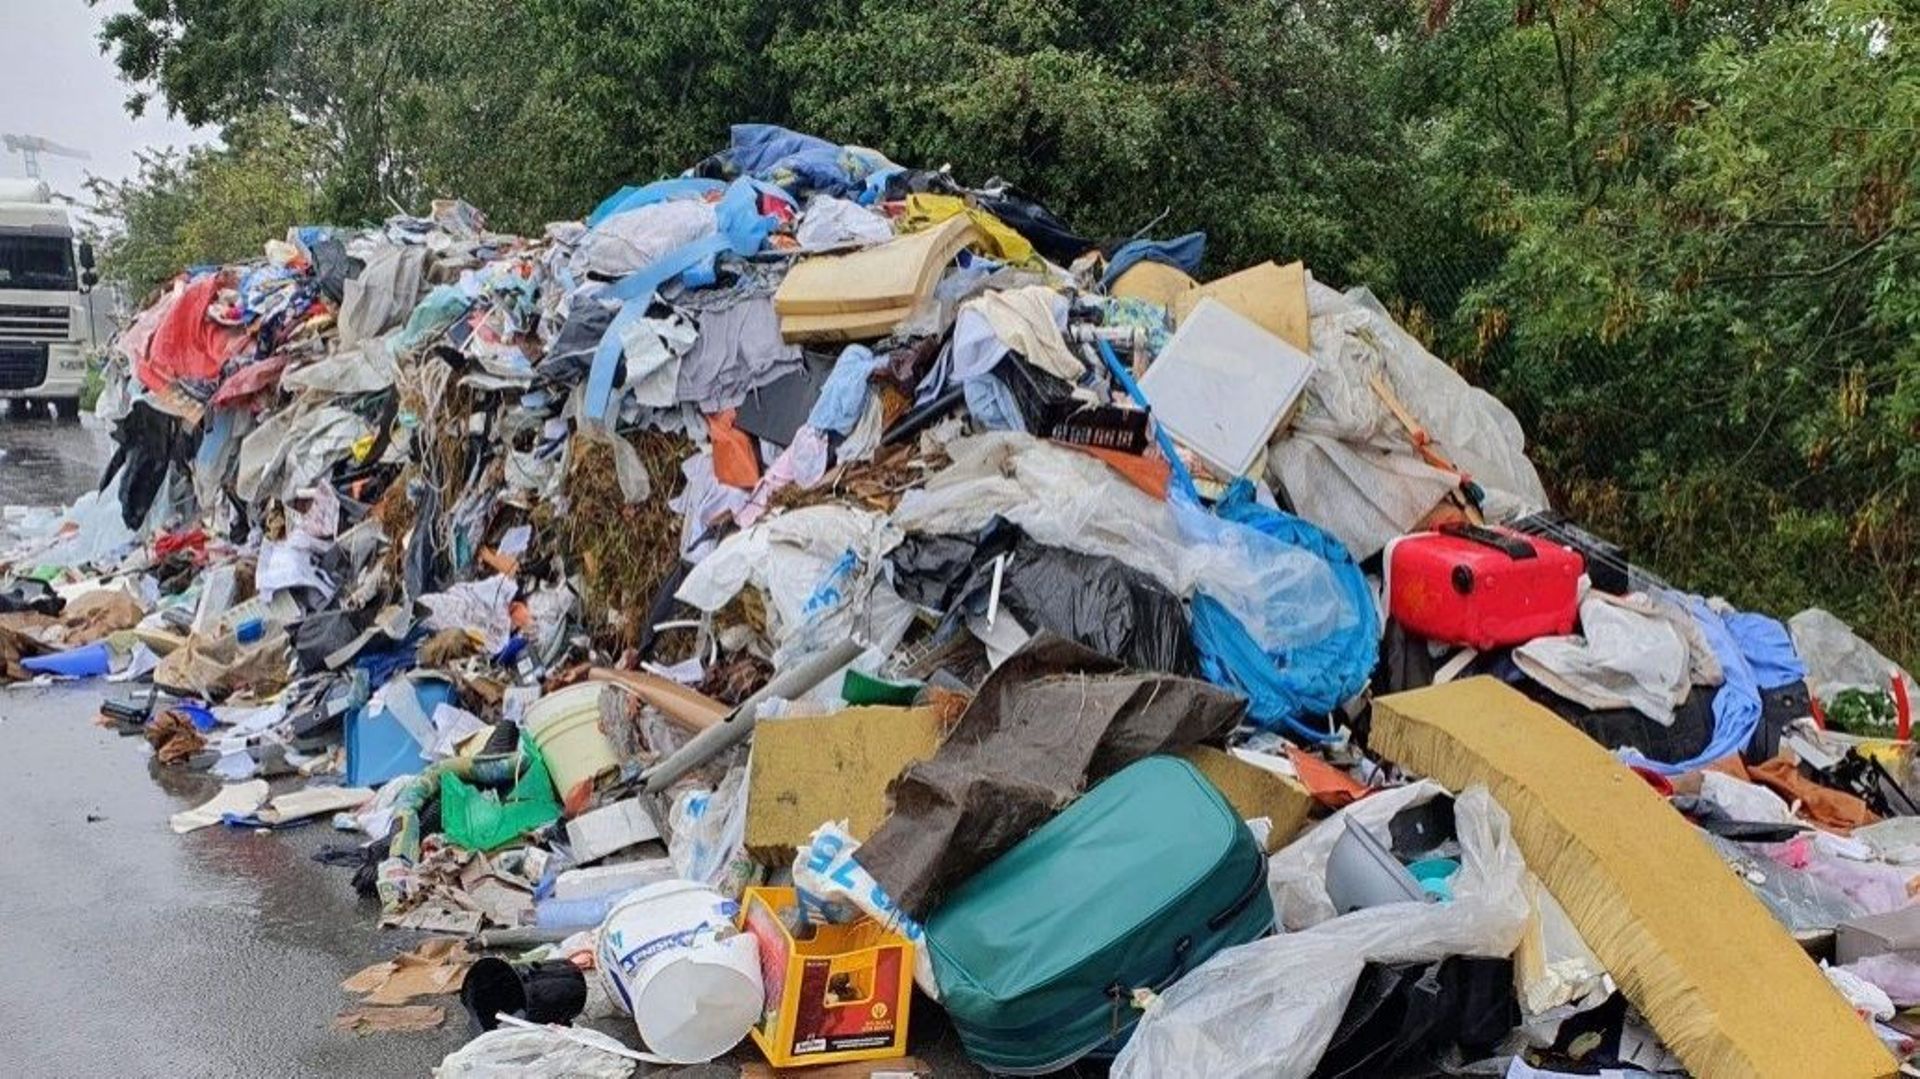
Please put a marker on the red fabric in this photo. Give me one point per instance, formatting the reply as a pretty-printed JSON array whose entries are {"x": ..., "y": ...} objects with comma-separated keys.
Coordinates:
[
  {"x": 187, "y": 344},
  {"x": 250, "y": 380}
]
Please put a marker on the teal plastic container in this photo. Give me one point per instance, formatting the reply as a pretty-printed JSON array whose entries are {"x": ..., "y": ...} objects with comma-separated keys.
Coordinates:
[{"x": 1141, "y": 880}]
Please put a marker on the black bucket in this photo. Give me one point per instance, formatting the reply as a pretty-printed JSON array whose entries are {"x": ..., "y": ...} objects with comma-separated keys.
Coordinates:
[{"x": 549, "y": 992}]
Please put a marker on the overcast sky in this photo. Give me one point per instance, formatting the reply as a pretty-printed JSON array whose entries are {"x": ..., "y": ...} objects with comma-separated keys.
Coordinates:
[{"x": 55, "y": 82}]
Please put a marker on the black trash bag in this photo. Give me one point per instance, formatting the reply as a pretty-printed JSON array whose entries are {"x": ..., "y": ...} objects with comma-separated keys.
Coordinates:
[
  {"x": 331, "y": 268},
  {"x": 151, "y": 444},
  {"x": 1779, "y": 706},
  {"x": 1096, "y": 601},
  {"x": 29, "y": 595},
  {"x": 321, "y": 635},
  {"x": 1615, "y": 728},
  {"x": 1401, "y": 1018},
  {"x": 1047, "y": 233}
]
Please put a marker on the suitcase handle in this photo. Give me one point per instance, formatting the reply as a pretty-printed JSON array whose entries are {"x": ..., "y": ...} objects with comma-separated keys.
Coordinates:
[{"x": 1512, "y": 546}]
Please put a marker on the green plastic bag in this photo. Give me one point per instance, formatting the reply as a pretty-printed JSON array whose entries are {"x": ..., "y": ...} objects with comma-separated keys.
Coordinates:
[{"x": 477, "y": 819}]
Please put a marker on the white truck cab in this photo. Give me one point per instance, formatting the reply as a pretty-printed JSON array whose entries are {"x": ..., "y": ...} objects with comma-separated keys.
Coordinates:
[{"x": 46, "y": 315}]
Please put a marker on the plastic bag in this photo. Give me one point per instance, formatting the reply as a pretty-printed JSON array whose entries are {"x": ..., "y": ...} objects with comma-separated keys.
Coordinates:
[
  {"x": 1285, "y": 596},
  {"x": 839, "y": 889},
  {"x": 709, "y": 834},
  {"x": 1797, "y": 900},
  {"x": 1269, "y": 1008},
  {"x": 475, "y": 819},
  {"x": 1837, "y": 658},
  {"x": 1297, "y": 874},
  {"x": 519, "y": 1053}
]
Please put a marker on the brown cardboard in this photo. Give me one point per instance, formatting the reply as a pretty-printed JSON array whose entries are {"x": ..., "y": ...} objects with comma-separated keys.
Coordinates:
[
  {"x": 687, "y": 708},
  {"x": 1255, "y": 792},
  {"x": 1154, "y": 282},
  {"x": 1723, "y": 984},
  {"x": 808, "y": 770},
  {"x": 1271, "y": 295}
]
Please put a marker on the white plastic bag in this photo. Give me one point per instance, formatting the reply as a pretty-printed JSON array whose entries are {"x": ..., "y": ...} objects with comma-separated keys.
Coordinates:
[
  {"x": 839, "y": 889},
  {"x": 1269, "y": 1008},
  {"x": 709, "y": 835},
  {"x": 538, "y": 1053},
  {"x": 1284, "y": 596},
  {"x": 1837, "y": 658}
]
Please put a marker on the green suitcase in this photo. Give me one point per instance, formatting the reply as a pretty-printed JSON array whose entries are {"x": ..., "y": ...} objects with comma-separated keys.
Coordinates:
[{"x": 1138, "y": 882}]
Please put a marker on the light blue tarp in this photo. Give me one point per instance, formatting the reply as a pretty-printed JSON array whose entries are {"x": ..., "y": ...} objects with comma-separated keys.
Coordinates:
[{"x": 1313, "y": 678}]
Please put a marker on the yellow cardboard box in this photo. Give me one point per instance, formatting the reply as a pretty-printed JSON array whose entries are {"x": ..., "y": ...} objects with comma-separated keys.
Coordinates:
[{"x": 838, "y": 993}]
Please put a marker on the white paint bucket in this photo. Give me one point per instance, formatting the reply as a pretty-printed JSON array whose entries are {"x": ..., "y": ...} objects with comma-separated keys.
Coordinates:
[{"x": 670, "y": 955}]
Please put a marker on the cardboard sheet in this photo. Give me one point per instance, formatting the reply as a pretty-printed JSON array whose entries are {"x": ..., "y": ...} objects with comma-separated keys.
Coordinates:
[
  {"x": 808, "y": 770},
  {"x": 1274, "y": 297},
  {"x": 1721, "y": 981},
  {"x": 1154, "y": 282}
]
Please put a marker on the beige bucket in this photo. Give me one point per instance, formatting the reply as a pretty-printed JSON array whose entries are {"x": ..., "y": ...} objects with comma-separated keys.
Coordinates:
[{"x": 566, "y": 727}]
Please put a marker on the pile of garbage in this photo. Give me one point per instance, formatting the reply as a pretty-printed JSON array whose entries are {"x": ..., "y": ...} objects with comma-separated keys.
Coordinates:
[{"x": 809, "y": 590}]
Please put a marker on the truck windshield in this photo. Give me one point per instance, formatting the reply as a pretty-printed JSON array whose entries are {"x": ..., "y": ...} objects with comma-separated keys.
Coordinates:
[{"x": 36, "y": 262}]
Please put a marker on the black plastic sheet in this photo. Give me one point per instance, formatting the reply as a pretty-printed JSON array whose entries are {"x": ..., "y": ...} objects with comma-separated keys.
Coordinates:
[{"x": 1099, "y": 602}]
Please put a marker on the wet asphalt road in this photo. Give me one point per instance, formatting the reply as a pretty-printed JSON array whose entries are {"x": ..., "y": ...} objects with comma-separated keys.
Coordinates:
[
  {"x": 130, "y": 951},
  {"x": 44, "y": 462}
]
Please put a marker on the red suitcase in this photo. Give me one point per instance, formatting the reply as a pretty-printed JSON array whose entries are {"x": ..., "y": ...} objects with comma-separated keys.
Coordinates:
[{"x": 1482, "y": 587}]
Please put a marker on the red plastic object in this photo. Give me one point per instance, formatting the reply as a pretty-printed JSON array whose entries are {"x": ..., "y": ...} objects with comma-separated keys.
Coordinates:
[
  {"x": 1482, "y": 587},
  {"x": 1902, "y": 707}
]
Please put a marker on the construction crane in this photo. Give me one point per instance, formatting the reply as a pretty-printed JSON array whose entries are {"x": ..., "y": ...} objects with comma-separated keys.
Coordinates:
[{"x": 30, "y": 147}]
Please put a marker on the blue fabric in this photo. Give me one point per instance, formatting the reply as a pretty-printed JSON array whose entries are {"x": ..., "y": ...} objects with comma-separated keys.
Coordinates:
[
  {"x": 843, "y": 398},
  {"x": 1184, "y": 252},
  {"x": 1768, "y": 648},
  {"x": 742, "y": 231},
  {"x": 992, "y": 405},
  {"x": 739, "y": 217},
  {"x": 800, "y": 163},
  {"x": 633, "y": 292},
  {"x": 632, "y": 198},
  {"x": 1736, "y": 706},
  {"x": 1314, "y": 679}
]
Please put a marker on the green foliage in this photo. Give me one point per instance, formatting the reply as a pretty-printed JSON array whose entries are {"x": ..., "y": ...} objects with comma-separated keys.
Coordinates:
[
  {"x": 209, "y": 204},
  {"x": 1678, "y": 238},
  {"x": 1865, "y": 712}
]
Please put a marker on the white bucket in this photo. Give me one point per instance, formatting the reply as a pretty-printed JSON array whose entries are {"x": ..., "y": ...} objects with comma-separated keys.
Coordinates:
[
  {"x": 670, "y": 955},
  {"x": 566, "y": 727}
]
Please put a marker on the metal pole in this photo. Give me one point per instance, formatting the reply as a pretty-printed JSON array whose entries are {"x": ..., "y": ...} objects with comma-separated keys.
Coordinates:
[{"x": 729, "y": 732}]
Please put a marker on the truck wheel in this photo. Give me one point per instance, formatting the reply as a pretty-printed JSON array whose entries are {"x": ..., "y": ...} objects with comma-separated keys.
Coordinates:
[{"x": 67, "y": 408}]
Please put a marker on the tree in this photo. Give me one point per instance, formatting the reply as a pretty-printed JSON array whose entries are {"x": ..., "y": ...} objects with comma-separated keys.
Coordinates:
[{"x": 209, "y": 204}]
